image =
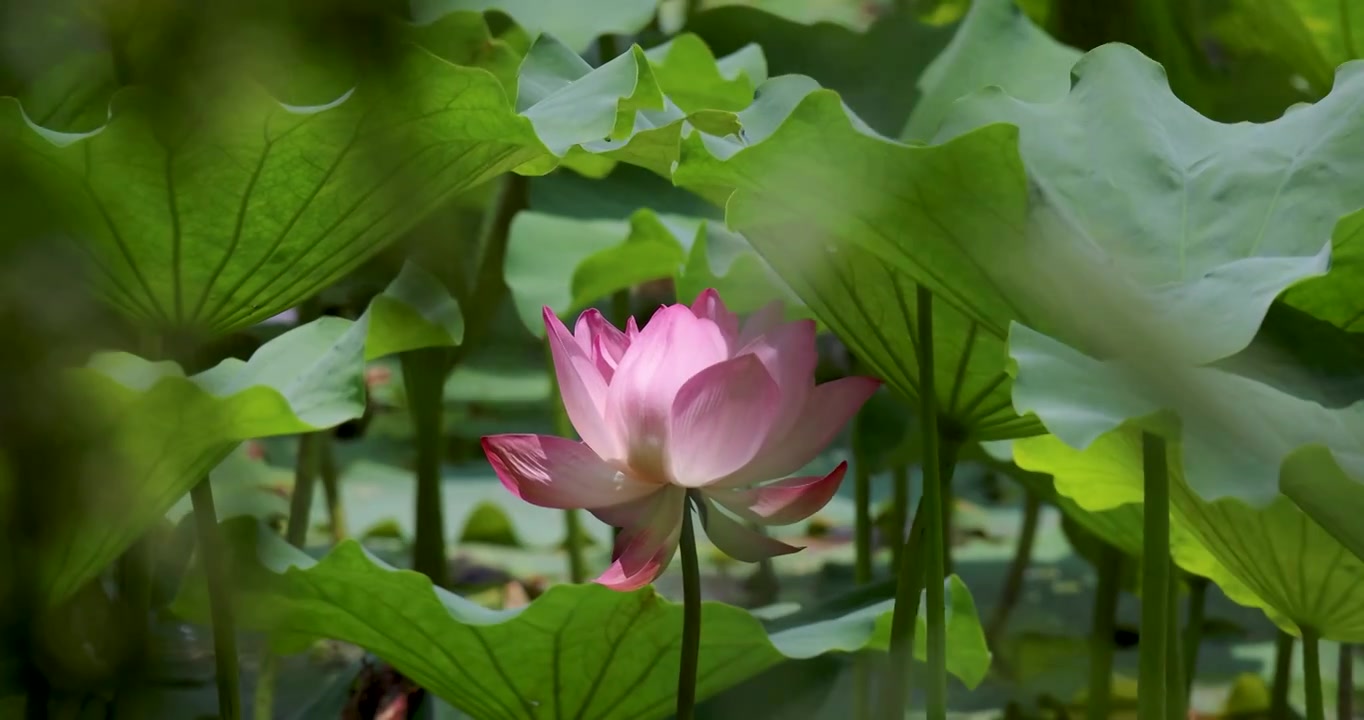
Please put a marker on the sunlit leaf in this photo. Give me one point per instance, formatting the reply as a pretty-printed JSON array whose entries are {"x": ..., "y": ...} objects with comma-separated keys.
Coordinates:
[
  {"x": 576, "y": 24},
  {"x": 568, "y": 263},
  {"x": 577, "y": 650},
  {"x": 840, "y": 58},
  {"x": 1293, "y": 566},
  {"x": 211, "y": 220},
  {"x": 1210, "y": 221},
  {"x": 996, "y": 45},
  {"x": 167, "y": 431},
  {"x": 415, "y": 311}
]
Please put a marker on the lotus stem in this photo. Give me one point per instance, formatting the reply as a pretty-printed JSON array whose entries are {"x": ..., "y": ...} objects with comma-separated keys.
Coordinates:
[
  {"x": 691, "y": 618},
  {"x": 1283, "y": 670},
  {"x": 301, "y": 500},
  {"x": 862, "y": 530},
  {"x": 1155, "y": 582},
  {"x": 1193, "y": 631},
  {"x": 264, "y": 701},
  {"x": 331, "y": 486},
  {"x": 936, "y": 545},
  {"x": 949, "y": 504},
  {"x": 1018, "y": 567},
  {"x": 1101, "y": 632},
  {"x": 424, "y": 380},
  {"x": 219, "y": 601},
  {"x": 899, "y": 511},
  {"x": 909, "y": 581},
  {"x": 1311, "y": 672},
  {"x": 1345, "y": 683},
  {"x": 1175, "y": 696},
  {"x": 573, "y": 529}
]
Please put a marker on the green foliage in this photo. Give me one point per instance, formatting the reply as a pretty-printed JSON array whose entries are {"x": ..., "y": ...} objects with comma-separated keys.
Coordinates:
[
  {"x": 576, "y": 649},
  {"x": 568, "y": 264},
  {"x": 166, "y": 431}
]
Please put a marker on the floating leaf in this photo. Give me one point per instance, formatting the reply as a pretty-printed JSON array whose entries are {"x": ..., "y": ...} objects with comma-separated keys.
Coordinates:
[
  {"x": 415, "y": 311},
  {"x": 168, "y": 431},
  {"x": 577, "y": 650}
]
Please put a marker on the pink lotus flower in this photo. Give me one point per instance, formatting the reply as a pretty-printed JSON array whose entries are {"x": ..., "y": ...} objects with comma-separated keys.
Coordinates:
[{"x": 692, "y": 406}]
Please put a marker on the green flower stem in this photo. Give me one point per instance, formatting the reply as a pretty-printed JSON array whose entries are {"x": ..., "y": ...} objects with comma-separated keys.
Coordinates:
[
  {"x": 1101, "y": 632},
  {"x": 1193, "y": 630},
  {"x": 934, "y": 569},
  {"x": 1018, "y": 567},
  {"x": 1283, "y": 677},
  {"x": 1155, "y": 581},
  {"x": 331, "y": 486},
  {"x": 899, "y": 511},
  {"x": 949, "y": 504},
  {"x": 573, "y": 528},
  {"x": 691, "y": 618},
  {"x": 219, "y": 601},
  {"x": 301, "y": 499},
  {"x": 424, "y": 380},
  {"x": 263, "y": 707},
  {"x": 1345, "y": 683},
  {"x": 1175, "y": 696},
  {"x": 862, "y": 521},
  {"x": 1311, "y": 673},
  {"x": 909, "y": 581}
]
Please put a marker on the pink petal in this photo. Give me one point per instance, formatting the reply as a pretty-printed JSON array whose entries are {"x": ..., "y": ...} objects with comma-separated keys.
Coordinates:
[
  {"x": 761, "y": 321},
  {"x": 631, "y": 329},
  {"x": 788, "y": 351},
  {"x": 600, "y": 341},
  {"x": 554, "y": 472},
  {"x": 783, "y": 502},
  {"x": 645, "y": 547},
  {"x": 827, "y": 409},
  {"x": 720, "y": 419},
  {"x": 581, "y": 386},
  {"x": 673, "y": 347},
  {"x": 708, "y": 305},
  {"x": 737, "y": 541}
]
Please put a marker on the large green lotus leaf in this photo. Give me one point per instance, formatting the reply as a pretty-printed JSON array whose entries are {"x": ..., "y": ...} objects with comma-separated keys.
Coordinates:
[
  {"x": 576, "y": 651},
  {"x": 415, "y": 311},
  {"x": 693, "y": 78},
  {"x": 1336, "y": 298},
  {"x": 570, "y": 263},
  {"x": 840, "y": 58},
  {"x": 835, "y": 209},
  {"x": 996, "y": 45},
  {"x": 567, "y": 100},
  {"x": 1097, "y": 412},
  {"x": 167, "y": 431},
  {"x": 837, "y": 13},
  {"x": 241, "y": 211},
  {"x": 577, "y": 24},
  {"x": 1210, "y": 221}
]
